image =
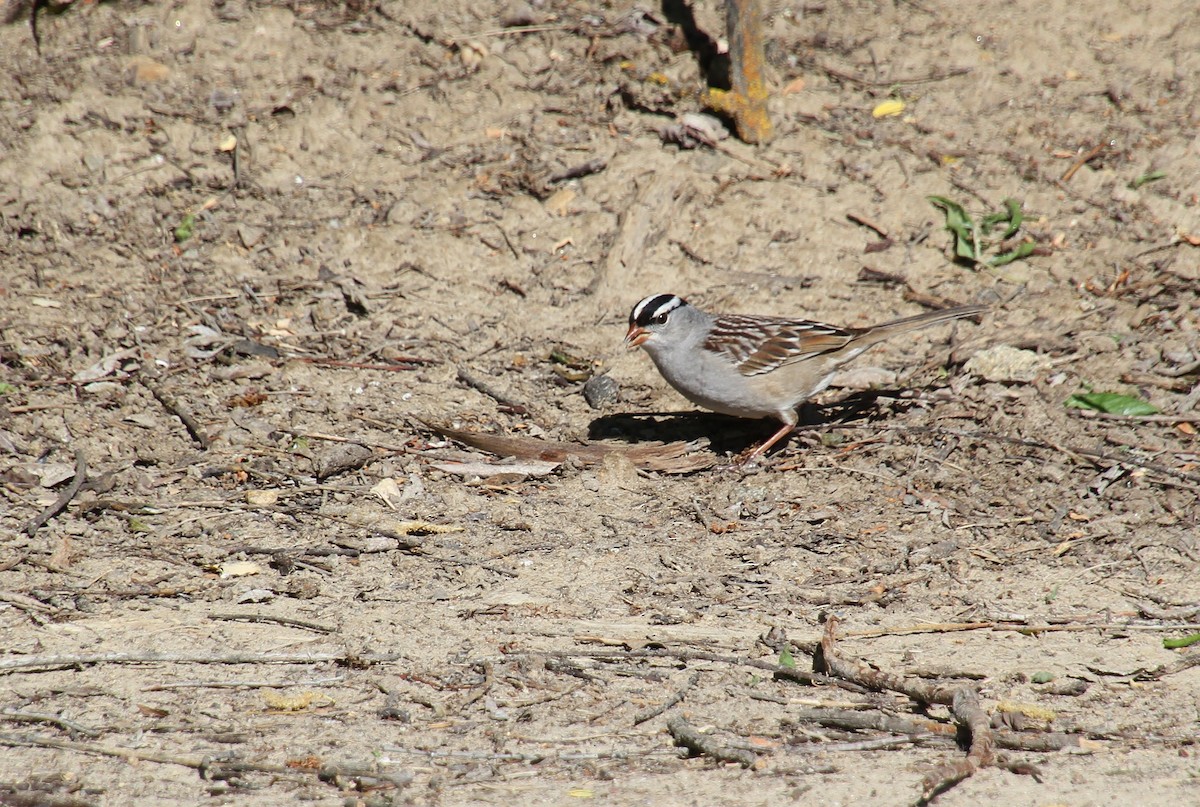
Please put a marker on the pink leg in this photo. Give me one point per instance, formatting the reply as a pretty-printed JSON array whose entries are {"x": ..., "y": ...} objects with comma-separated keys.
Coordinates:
[{"x": 783, "y": 432}]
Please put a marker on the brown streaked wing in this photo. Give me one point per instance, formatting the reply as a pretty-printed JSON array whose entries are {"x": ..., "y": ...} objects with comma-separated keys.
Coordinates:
[{"x": 761, "y": 344}]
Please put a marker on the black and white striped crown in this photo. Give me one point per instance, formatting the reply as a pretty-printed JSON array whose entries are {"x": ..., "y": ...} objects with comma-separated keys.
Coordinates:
[{"x": 654, "y": 307}]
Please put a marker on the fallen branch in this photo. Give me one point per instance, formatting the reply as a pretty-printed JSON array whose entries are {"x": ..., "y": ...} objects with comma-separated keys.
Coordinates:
[
  {"x": 515, "y": 407},
  {"x": 178, "y": 409},
  {"x": 690, "y": 738},
  {"x": 8, "y": 665},
  {"x": 207, "y": 768},
  {"x": 920, "y": 728},
  {"x": 276, "y": 620},
  {"x": 675, "y": 699},
  {"x": 778, "y": 670},
  {"x": 982, "y": 752},
  {"x": 70, "y": 726},
  {"x": 64, "y": 498},
  {"x": 877, "y": 680}
]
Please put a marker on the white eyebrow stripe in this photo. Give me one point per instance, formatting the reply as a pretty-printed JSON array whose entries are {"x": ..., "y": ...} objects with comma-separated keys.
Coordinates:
[{"x": 664, "y": 303}]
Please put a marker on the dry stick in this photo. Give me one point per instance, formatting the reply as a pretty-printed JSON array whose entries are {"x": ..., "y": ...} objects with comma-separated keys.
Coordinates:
[
  {"x": 207, "y": 768},
  {"x": 690, "y": 738},
  {"x": 779, "y": 670},
  {"x": 178, "y": 409},
  {"x": 489, "y": 677},
  {"x": 37, "y": 717},
  {"x": 655, "y": 711},
  {"x": 277, "y": 620},
  {"x": 490, "y": 391},
  {"x": 970, "y": 715},
  {"x": 1087, "y": 157},
  {"x": 878, "y": 680},
  {"x": 8, "y": 665},
  {"x": 922, "y": 728},
  {"x": 1162, "y": 671},
  {"x": 64, "y": 499}
]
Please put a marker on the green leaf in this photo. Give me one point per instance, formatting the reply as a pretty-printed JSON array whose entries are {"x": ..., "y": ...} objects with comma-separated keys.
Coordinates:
[
  {"x": 1023, "y": 250},
  {"x": 1042, "y": 677},
  {"x": 786, "y": 659},
  {"x": 1183, "y": 641},
  {"x": 1016, "y": 217},
  {"x": 186, "y": 228},
  {"x": 1149, "y": 176},
  {"x": 6, "y": 388},
  {"x": 959, "y": 222},
  {"x": 1114, "y": 403}
]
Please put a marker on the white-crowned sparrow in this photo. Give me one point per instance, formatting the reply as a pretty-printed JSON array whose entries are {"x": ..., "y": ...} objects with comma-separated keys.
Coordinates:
[{"x": 755, "y": 366}]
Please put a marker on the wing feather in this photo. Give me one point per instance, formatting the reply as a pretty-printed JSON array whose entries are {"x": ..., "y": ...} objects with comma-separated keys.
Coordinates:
[{"x": 760, "y": 344}]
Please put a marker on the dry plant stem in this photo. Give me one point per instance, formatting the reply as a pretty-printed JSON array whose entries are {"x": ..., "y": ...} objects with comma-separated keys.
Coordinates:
[
  {"x": 39, "y": 663},
  {"x": 178, "y": 409},
  {"x": 879, "y": 680},
  {"x": 64, "y": 499},
  {"x": 275, "y": 620},
  {"x": 919, "y": 728},
  {"x": 690, "y": 738},
  {"x": 491, "y": 392},
  {"x": 37, "y": 717},
  {"x": 790, "y": 673},
  {"x": 982, "y": 752},
  {"x": 676, "y": 698},
  {"x": 207, "y": 768}
]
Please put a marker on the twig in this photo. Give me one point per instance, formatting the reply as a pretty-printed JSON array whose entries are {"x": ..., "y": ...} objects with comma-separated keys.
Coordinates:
[
  {"x": 1087, "y": 157},
  {"x": 27, "y": 603},
  {"x": 489, "y": 678},
  {"x": 64, "y": 498},
  {"x": 535, "y": 758},
  {"x": 278, "y": 620},
  {"x": 245, "y": 684},
  {"x": 779, "y": 670},
  {"x": 8, "y": 665},
  {"x": 924, "y": 728},
  {"x": 394, "y": 366},
  {"x": 878, "y": 680},
  {"x": 1185, "y": 663},
  {"x": 491, "y": 392},
  {"x": 37, "y": 717},
  {"x": 207, "y": 768},
  {"x": 594, "y": 166},
  {"x": 944, "y": 627},
  {"x": 178, "y": 409},
  {"x": 1093, "y": 415},
  {"x": 676, "y": 697},
  {"x": 870, "y": 225},
  {"x": 690, "y": 738},
  {"x": 982, "y": 752}
]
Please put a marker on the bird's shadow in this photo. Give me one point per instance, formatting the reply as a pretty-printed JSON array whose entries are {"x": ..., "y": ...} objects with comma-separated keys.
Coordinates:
[{"x": 732, "y": 435}]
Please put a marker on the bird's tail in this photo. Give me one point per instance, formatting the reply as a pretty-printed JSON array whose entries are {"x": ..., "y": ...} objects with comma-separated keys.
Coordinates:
[{"x": 889, "y": 329}]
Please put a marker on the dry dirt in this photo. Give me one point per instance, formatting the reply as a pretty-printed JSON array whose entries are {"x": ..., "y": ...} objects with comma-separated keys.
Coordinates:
[{"x": 367, "y": 186}]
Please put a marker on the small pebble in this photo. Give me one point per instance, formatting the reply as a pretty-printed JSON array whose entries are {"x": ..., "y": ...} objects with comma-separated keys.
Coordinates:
[{"x": 600, "y": 391}]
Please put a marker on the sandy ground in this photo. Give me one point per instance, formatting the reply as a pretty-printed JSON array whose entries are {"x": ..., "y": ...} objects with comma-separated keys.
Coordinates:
[{"x": 298, "y": 225}]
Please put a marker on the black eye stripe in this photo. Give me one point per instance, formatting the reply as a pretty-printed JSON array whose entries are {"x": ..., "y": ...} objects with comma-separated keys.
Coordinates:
[{"x": 655, "y": 309}]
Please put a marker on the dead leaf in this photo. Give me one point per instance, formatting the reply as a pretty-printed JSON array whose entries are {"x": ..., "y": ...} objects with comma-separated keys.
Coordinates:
[{"x": 671, "y": 458}]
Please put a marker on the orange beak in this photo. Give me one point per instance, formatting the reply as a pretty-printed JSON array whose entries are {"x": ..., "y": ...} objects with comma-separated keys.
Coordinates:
[{"x": 636, "y": 336}]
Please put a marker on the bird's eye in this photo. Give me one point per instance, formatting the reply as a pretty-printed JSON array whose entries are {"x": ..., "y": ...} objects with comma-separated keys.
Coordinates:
[{"x": 659, "y": 319}]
